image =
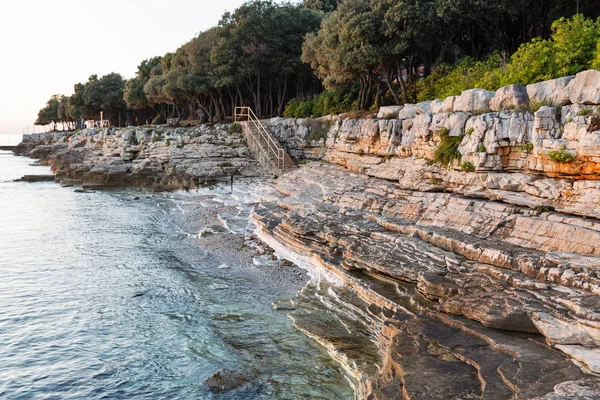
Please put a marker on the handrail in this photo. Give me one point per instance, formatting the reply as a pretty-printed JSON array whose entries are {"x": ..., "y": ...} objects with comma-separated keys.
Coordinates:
[{"x": 273, "y": 146}]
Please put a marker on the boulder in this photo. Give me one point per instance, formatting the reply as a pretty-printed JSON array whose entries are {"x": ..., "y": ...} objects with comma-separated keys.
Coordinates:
[
  {"x": 423, "y": 107},
  {"x": 553, "y": 91},
  {"x": 448, "y": 104},
  {"x": 389, "y": 112},
  {"x": 474, "y": 100},
  {"x": 225, "y": 380},
  {"x": 510, "y": 97},
  {"x": 436, "y": 106},
  {"x": 585, "y": 88},
  {"x": 408, "y": 111}
]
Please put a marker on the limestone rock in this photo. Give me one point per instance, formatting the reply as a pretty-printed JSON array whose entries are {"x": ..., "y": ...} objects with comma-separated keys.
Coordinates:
[
  {"x": 448, "y": 104},
  {"x": 225, "y": 380},
  {"x": 474, "y": 100},
  {"x": 510, "y": 97},
  {"x": 436, "y": 106},
  {"x": 409, "y": 111},
  {"x": 389, "y": 112},
  {"x": 585, "y": 88},
  {"x": 423, "y": 107},
  {"x": 585, "y": 389},
  {"x": 552, "y": 91}
]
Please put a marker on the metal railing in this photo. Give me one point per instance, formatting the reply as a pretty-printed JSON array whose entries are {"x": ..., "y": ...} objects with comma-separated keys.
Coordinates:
[{"x": 272, "y": 146}]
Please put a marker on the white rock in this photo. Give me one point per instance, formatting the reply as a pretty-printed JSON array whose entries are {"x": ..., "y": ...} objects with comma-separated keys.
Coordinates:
[
  {"x": 448, "y": 104},
  {"x": 389, "y": 111},
  {"x": 423, "y": 107},
  {"x": 545, "y": 124},
  {"x": 436, "y": 106},
  {"x": 585, "y": 88},
  {"x": 589, "y": 356},
  {"x": 409, "y": 111},
  {"x": 511, "y": 96},
  {"x": 553, "y": 91},
  {"x": 474, "y": 100}
]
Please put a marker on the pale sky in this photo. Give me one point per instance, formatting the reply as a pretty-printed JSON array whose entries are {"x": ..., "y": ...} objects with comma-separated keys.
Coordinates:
[{"x": 46, "y": 46}]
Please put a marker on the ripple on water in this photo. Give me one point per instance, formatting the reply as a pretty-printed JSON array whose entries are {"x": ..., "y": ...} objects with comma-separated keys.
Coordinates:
[{"x": 103, "y": 297}]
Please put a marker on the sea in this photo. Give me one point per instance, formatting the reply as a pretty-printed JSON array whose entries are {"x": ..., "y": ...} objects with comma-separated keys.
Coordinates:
[{"x": 104, "y": 297}]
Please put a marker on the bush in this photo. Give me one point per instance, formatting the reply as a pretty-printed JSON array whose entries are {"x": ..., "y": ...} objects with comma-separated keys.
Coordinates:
[
  {"x": 561, "y": 156},
  {"x": 573, "y": 47},
  {"x": 467, "y": 166},
  {"x": 159, "y": 120},
  {"x": 327, "y": 102},
  {"x": 527, "y": 146},
  {"x": 236, "y": 127},
  {"x": 447, "y": 151}
]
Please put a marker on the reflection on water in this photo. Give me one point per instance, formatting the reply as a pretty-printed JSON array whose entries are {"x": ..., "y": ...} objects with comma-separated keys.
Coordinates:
[{"x": 103, "y": 297}]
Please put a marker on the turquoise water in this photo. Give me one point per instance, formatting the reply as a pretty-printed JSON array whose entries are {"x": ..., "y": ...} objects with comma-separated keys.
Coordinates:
[{"x": 103, "y": 297}]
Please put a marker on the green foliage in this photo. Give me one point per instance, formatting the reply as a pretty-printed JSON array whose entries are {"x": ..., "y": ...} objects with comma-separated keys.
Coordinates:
[
  {"x": 574, "y": 46},
  {"x": 360, "y": 152},
  {"x": 159, "y": 120},
  {"x": 167, "y": 142},
  {"x": 535, "y": 105},
  {"x": 225, "y": 164},
  {"x": 327, "y": 102},
  {"x": 481, "y": 148},
  {"x": 584, "y": 112},
  {"x": 561, "y": 156},
  {"x": 448, "y": 81},
  {"x": 527, "y": 146},
  {"x": 299, "y": 109},
  {"x": 447, "y": 150},
  {"x": 467, "y": 166},
  {"x": 236, "y": 127}
]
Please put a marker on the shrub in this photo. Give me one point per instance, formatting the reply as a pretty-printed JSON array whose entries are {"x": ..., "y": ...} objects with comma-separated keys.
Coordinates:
[
  {"x": 527, "y": 146},
  {"x": 534, "y": 105},
  {"x": 584, "y": 112},
  {"x": 467, "y": 166},
  {"x": 236, "y": 127},
  {"x": 481, "y": 148},
  {"x": 561, "y": 156},
  {"x": 574, "y": 46},
  {"x": 360, "y": 152},
  {"x": 298, "y": 109},
  {"x": 327, "y": 102},
  {"x": 159, "y": 120},
  {"x": 447, "y": 151},
  {"x": 225, "y": 164}
]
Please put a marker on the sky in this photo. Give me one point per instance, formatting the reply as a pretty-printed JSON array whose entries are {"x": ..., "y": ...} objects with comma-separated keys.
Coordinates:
[{"x": 48, "y": 46}]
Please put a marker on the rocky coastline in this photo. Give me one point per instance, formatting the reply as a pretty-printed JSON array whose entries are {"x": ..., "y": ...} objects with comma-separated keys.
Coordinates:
[
  {"x": 475, "y": 279},
  {"x": 153, "y": 158}
]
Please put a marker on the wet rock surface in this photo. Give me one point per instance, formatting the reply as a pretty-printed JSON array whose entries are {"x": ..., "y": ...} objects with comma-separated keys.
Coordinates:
[
  {"x": 225, "y": 380},
  {"x": 428, "y": 295}
]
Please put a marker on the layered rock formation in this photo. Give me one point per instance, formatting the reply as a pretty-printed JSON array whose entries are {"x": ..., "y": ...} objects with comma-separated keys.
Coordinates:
[
  {"x": 150, "y": 157},
  {"x": 476, "y": 280}
]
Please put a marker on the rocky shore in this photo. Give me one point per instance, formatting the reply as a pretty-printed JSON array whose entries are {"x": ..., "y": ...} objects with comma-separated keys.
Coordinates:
[
  {"x": 157, "y": 158},
  {"x": 474, "y": 280},
  {"x": 453, "y": 244}
]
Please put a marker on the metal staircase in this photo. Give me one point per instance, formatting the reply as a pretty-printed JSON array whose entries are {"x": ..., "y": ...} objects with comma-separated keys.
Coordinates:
[{"x": 266, "y": 148}]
